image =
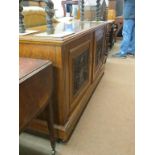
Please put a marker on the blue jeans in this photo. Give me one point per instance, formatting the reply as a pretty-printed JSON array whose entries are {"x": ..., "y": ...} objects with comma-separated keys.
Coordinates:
[
  {"x": 128, "y": 42},
  {"x": 68, "y": 8}
]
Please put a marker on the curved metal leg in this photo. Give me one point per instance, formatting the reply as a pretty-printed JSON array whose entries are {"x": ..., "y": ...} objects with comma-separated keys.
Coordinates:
[
  {"x": 49, "y": 9},
  {"x": 98, "y": 10},
  {"x": 82, "y": 10},
  {"x": 21, "y": 17}
]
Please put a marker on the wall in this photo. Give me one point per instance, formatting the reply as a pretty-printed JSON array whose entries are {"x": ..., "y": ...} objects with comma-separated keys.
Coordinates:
[{"x": 57, "y": 5}]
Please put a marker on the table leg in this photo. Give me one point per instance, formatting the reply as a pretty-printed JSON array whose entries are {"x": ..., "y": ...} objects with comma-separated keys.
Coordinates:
[{"x": 51, "y": 128}]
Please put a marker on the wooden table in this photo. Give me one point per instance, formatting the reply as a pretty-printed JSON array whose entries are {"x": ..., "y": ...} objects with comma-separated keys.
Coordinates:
[{"x": 35, "y": 89}]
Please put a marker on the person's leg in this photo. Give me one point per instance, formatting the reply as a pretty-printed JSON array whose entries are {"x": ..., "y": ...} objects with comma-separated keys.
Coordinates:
[
  {"x": 126, "y": 39},
  {"x": 127, "y": 35},
  {"x": 131, "y": 49},
  {"x": 69, "y": 8}
]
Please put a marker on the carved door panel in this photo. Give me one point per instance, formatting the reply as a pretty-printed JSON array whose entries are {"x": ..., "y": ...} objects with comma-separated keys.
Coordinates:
[
  {"x": 108, "y": 37},
  {"x": 106, "y": 41},
  {"x": 99, "y": 51},
  {"x": 80, "y": 63}
]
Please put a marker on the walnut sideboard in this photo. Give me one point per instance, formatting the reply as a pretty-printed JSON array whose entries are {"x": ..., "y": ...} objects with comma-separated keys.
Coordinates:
[{"x": 78, "y": 60}]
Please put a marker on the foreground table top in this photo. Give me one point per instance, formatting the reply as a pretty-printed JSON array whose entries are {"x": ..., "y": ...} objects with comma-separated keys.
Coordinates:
[{"x": 35, "y": 80}]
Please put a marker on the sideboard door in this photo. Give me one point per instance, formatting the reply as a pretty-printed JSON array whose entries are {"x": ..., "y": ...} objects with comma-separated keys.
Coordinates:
[
  {"x": 80, "y": 67},
  {"x": 99, "y": 51}
]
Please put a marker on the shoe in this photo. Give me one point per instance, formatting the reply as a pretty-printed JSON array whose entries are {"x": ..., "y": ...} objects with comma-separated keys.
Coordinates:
[
  {"x": 130, "y": 54},
  {"x": 119, "y": 55}
]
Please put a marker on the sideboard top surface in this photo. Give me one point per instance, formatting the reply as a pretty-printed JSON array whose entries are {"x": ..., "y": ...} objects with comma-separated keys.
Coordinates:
[{"x": 76, "y": 28}]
